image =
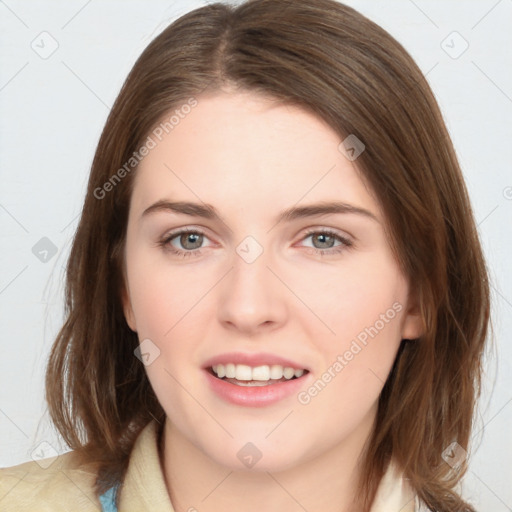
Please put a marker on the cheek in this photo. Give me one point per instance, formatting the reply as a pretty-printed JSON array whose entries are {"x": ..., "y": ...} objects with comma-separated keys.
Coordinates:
[
  {"x": 346, "y": 390},
  {"x": 364, "y": 308},
  {"x": 161, "y": 296},
  {"x": 347, "y": 299},
  {"x": 170, "y": 311}
]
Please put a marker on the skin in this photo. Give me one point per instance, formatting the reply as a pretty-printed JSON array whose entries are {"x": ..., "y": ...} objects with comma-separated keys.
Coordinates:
[{"x": 250, "y": 158}]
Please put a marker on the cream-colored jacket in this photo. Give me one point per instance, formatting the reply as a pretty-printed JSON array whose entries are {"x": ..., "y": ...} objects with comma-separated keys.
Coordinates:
[{"x": 67, "y": 486}]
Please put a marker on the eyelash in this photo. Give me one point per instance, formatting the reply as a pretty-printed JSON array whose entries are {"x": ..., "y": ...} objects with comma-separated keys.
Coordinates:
[{"x": 345, "y": 243}]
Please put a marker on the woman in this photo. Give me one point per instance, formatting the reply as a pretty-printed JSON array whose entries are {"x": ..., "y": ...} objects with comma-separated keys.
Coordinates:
[{"x": 276, "y": 294}]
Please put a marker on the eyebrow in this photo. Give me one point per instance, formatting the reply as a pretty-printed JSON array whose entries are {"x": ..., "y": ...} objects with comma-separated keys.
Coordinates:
[{"x": 207, "y": 211}]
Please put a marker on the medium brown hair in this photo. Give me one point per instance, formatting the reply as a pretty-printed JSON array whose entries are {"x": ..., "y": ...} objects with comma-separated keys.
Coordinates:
[{"x": 327, "y": 58}]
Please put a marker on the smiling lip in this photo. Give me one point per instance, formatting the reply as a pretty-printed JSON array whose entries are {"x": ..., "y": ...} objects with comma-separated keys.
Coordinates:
[
  {"x": 254, "y": 396},
  {"x": 253, "y": 360}
]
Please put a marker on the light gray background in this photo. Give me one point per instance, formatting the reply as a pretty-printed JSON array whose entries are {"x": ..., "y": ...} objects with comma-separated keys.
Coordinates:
[{"x": 52, "y": 111}]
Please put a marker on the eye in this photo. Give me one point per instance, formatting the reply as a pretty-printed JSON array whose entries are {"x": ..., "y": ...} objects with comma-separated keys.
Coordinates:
[
  {"x": 324, "y": 242},
  {"x": 190, "y": 240}
]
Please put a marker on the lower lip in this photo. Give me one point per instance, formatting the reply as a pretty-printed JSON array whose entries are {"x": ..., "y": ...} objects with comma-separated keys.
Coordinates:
[{"x": 255, "y": 396}]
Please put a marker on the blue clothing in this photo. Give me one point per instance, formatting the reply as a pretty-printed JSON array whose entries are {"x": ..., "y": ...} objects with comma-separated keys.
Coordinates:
[{"x": 107, "y": 500}]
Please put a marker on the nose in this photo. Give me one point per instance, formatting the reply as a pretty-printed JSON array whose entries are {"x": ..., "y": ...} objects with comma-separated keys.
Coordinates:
[{"x": 251, "y": 298}]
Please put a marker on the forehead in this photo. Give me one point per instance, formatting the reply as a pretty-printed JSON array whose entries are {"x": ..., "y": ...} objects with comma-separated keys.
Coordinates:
[{"x": 243, "y": 150}]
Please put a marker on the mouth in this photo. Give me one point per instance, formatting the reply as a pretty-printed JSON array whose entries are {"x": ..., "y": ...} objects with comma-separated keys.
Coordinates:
[{"x": 255, "y": 376}]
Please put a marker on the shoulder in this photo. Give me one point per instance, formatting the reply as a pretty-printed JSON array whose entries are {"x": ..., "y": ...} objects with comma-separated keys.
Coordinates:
[{"x": 52, "y": 484}]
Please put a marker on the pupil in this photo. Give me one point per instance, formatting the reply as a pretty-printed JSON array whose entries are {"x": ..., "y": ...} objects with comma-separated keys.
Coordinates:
[
  {"x": 323, "y": 236},
  {"x": 190, "y": 236}
]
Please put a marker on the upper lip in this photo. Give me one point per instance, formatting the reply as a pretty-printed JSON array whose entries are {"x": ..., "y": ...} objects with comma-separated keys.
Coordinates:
[{"x": 258, "y": 359}]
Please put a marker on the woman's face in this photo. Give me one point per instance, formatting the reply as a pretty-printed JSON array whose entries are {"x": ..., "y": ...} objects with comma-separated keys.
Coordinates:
[{"x": 317, "y": 289}]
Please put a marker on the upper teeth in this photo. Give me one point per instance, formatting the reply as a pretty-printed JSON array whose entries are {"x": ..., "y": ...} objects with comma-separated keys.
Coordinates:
[{"x": 265, "y": 372}]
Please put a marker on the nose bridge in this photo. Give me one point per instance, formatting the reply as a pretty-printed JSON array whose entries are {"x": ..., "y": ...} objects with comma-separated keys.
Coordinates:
[{"x": 251, "y": 294}]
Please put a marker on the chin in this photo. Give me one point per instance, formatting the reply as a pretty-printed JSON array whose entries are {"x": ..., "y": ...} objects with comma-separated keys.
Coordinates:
[{"x": 255, "y": 457}]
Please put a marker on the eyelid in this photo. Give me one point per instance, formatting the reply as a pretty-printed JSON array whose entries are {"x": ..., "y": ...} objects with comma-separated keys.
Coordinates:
[
  {"x": 190, "y": 227},
  {"x": 343, "y": 235}
]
